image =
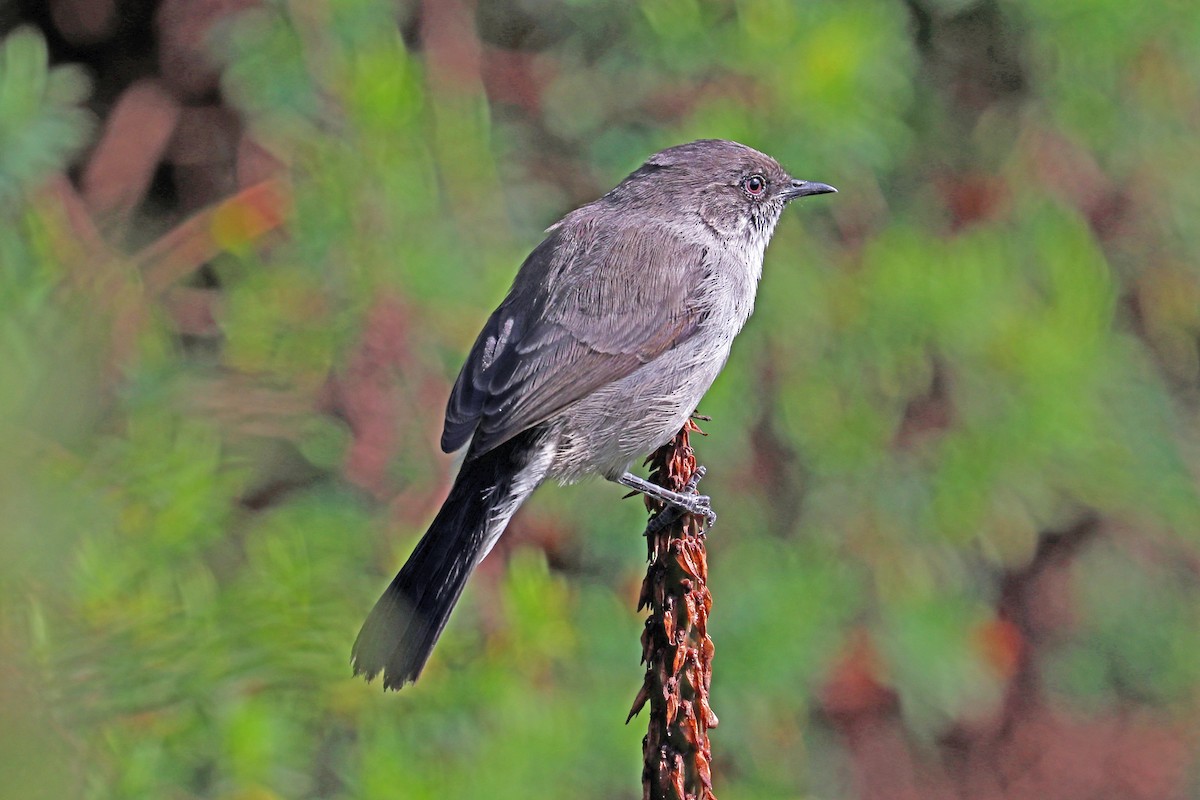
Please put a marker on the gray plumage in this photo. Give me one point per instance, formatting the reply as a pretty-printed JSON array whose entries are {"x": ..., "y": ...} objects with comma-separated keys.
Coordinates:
[{"x": 614, "y": 328}]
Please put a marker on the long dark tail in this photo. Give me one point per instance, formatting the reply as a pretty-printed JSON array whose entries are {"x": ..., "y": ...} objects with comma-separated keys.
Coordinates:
[{"x": 401, "y": 630}]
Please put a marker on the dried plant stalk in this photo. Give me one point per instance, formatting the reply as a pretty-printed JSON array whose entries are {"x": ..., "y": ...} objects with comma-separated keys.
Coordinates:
[{"x": 676, "y": 648}]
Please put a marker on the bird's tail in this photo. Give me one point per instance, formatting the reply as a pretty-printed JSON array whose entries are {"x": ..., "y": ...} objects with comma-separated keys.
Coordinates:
[{"x": 401, "y": 630}]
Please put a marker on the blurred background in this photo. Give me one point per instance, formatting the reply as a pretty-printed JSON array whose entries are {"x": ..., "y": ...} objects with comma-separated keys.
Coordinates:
[{"x": 245, "y": 245}]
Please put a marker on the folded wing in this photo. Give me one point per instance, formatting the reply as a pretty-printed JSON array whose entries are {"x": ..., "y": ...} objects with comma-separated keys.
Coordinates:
[{"x": 572, "y": 323}]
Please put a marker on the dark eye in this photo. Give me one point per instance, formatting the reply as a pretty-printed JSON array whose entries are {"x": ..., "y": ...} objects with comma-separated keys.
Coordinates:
[{"x": 754, "y": 185}]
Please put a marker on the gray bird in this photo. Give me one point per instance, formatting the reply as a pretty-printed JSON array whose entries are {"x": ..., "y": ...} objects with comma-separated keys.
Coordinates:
[{"x": 615, "y": 327}]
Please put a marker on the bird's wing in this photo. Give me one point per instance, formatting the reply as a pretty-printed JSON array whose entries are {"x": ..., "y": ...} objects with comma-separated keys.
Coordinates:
[{"x": 572, "y": 323}]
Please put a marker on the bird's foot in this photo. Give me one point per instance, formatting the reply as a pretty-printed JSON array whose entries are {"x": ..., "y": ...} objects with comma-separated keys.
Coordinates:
[{"x": 699, "y": 505}]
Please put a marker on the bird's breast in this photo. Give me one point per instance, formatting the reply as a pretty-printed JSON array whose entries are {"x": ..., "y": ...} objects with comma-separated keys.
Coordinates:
[{"x": 727, "y": 294}]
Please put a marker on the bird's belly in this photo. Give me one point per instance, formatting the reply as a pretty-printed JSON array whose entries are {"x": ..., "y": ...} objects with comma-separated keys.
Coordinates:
[{"x": 626, "y": 420}]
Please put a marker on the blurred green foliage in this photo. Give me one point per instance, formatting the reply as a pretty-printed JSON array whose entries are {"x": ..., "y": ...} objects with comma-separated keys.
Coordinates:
[{"x": 988, "y": 336}]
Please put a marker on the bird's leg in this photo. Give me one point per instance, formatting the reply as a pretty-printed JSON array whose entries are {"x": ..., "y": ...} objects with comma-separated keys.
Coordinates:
[{"x": 698, "y": 504}]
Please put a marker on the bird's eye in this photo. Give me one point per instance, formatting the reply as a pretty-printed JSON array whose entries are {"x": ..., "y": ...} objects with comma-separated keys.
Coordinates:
[{"x": 754, "y": 185}]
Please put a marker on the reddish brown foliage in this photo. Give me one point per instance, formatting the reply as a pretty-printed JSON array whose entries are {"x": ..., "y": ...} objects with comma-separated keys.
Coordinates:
[{"x": 676, "y": 647}]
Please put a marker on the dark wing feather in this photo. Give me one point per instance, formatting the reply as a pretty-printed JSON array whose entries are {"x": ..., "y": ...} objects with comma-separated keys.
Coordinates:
[{"x": 571, "y": 324}]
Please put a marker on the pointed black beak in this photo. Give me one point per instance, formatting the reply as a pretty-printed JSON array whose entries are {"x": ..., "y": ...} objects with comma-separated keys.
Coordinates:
[{"x": 806, "y": 188}]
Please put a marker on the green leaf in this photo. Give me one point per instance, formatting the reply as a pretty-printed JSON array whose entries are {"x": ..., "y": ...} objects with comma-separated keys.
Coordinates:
[{"x": 41, "y": 124}]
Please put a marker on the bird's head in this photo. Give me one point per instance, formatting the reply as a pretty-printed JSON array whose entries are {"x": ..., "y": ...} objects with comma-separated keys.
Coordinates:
[{"x": 736, "y": 191}]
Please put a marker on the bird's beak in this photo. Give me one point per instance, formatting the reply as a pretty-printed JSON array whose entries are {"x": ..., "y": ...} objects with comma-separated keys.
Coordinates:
[{"x": 805, "y": 188}]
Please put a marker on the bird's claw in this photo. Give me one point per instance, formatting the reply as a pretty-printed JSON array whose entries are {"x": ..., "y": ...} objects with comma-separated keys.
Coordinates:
[
  {"x": 687, "y": 501},
  {"x": 700, "y": 505}
]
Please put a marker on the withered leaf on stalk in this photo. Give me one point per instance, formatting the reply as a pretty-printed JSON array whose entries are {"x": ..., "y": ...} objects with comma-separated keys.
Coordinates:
[{"x": 638, "y": 703}]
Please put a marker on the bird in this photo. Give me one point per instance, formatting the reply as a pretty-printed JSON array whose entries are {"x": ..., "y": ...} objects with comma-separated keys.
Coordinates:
[{"x": 614, "y": 328}]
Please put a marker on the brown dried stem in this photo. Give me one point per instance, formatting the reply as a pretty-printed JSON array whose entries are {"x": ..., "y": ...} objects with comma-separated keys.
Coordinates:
[{"x": 676, "y": 648}]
